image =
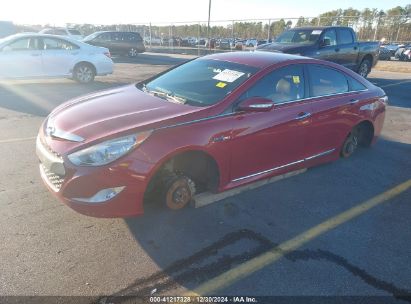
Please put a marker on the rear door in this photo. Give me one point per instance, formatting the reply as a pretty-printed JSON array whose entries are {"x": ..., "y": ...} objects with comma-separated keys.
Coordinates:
[
  {"x": 117, "y": 43},
  {"x": 59, "y": 56},
  {"x": 21, "y": 58},
  {"x": 271, "y": 140},
  {"x": 334, "y": 107},
  {"x": 348, "y": 49}
]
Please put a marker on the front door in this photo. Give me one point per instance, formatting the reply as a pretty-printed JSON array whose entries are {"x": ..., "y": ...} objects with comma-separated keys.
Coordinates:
[
  {"x": 265, "y": 142},
  {"x": 21, "y": 58}
]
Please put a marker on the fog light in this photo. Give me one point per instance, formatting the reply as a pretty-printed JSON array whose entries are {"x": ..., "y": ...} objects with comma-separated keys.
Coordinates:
[{"x": 101, "y": 196}]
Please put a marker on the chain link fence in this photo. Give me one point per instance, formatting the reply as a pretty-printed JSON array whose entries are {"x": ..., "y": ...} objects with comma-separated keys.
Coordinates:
[{"x": 198, "y": 35}]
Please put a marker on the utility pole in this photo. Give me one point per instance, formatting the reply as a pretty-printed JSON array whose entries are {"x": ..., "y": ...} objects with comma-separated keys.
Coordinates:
[{"x": 208, "y": 27}]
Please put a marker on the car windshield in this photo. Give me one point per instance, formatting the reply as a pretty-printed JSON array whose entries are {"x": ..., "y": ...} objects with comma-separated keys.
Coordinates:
[
  {"x": 201, "y": 82},
  {"x": 299, "y": 36}
]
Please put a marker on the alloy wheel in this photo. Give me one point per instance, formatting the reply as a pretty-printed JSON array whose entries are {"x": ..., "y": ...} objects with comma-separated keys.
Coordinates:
[
  {"x": 84, "y": 74},
  {"x": 364, "y": 69},
  {"x": 132, "y": 52}
]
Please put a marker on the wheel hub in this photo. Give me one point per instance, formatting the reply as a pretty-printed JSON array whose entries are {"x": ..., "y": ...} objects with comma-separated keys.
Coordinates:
[{"x": 180, "y": 193}]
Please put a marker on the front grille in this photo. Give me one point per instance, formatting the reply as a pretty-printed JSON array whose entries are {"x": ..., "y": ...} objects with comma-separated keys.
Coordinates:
[
  {"x": 51, "y": 165},
  {"x": 53, "y": 180}
]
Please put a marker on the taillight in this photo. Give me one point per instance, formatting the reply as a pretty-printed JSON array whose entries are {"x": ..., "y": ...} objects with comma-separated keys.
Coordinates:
[{"x": 107, "y": 54}]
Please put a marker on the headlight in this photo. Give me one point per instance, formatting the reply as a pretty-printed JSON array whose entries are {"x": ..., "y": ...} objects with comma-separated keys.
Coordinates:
[{"x": 107, "y": 151}]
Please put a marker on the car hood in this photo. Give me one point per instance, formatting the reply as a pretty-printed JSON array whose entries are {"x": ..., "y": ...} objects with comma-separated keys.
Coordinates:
[{"x": 103, "y": 114}]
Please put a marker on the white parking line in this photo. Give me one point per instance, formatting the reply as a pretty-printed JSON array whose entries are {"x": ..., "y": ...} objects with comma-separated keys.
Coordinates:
[{"x": 5, "y": 141}]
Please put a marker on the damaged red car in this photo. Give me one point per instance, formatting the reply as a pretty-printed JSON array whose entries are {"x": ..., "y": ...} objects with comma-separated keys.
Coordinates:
[{"x": 211, "y": 124}]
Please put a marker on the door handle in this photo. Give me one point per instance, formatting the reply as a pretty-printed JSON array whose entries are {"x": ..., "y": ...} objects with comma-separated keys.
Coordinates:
[
  {"x": 303, "y": 115},
  {"x": 354, "y": 101}
]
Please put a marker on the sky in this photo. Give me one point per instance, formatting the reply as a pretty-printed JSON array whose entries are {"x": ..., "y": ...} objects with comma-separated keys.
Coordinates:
[{"x": 157, "y": 11}]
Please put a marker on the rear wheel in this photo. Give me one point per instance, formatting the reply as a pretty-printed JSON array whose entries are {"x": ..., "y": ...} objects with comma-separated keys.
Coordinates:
[
  {"x": 84, "y": 73},
  {"x": 350, "y": 145},
  {"x": 132, "y": 52},
  {"x": 365, "y": 68}
]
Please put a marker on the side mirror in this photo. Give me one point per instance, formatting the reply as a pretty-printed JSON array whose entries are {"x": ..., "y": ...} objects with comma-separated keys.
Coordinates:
[
  {"x": 256, "y": 104},
  {"x": 325, "y": 42}
]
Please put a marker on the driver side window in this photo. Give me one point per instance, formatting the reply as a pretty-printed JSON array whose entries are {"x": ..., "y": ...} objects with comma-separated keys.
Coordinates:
[
  {"x": 23, "y": 44},
  {"x": 282, "y": 85}
]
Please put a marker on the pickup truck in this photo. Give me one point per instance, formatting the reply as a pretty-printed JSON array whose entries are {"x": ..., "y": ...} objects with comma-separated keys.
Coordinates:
[{"x": 333, "y": 43}]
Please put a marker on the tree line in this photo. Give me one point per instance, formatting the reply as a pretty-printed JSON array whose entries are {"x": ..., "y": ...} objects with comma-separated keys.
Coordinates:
[{"x": 370, "y": 24}]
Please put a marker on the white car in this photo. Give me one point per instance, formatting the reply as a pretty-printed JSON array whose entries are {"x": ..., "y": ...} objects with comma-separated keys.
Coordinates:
[
  {"x": 154, "y": 40},
  {"x": 42, "y": 56},
  {"x": 60, "y": 31},
  {"x": 251, "y": 42}
]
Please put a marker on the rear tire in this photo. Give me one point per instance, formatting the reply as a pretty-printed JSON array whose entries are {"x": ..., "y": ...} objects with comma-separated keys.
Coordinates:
[
  {"x": 132, "y": 53},
  {"x": 350, "y": 144},
  {"x": 84, "y": 73},
  {"x": 364, "y": 68}
]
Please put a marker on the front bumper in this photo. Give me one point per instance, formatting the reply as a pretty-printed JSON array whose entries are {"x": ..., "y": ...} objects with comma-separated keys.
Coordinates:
[{"x": 74, "y": 185}]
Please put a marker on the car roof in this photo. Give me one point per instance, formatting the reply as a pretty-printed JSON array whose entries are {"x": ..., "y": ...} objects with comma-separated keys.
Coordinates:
[
  {"x": 22, "y": 35},
  {"x": 100, "y": 32},
  {"x": 39, "y": 35},
  {"x": 318, "y": 27},
  {"x": 256, "y": 59}
]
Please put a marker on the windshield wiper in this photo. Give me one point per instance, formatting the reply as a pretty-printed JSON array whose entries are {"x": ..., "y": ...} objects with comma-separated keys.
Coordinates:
[{"x": 165, "y": 95}]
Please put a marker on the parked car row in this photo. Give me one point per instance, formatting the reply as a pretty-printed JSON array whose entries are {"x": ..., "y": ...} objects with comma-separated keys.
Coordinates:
[{"x": 400, "y": 52}]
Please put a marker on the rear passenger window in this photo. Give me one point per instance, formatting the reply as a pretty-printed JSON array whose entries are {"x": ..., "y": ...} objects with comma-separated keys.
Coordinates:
[
  {"x": 345, "y": 36},
  {"x": 104, "y": 37},
  {"x": 283, "y": 85},
  {"x": 116, "y": 36},
  {"x": 326, "y": 81},
  {"x": 356, "y": 85}
]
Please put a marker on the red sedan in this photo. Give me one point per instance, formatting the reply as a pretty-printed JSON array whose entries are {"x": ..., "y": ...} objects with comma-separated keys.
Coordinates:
[{"x": 211, "y": 124}]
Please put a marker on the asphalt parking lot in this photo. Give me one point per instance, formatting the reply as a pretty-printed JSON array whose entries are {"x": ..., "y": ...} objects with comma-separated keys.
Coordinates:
[{"x": 48, "y": 249}]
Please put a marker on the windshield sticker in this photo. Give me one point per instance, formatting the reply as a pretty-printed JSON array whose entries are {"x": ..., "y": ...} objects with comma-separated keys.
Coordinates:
[
  {"x": 296, "y": 79},
  {"x": 316, "y": 32},
  {"x": 228, "y": 75},
  {"x": 220, "y": 84}
]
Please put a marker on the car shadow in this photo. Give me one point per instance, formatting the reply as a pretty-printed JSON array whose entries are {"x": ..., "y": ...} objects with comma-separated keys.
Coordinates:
[
  {"x": 191, "y": 246},
  {"x": 151, "y": 59},
  {"x": 39, "y": 97}
]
